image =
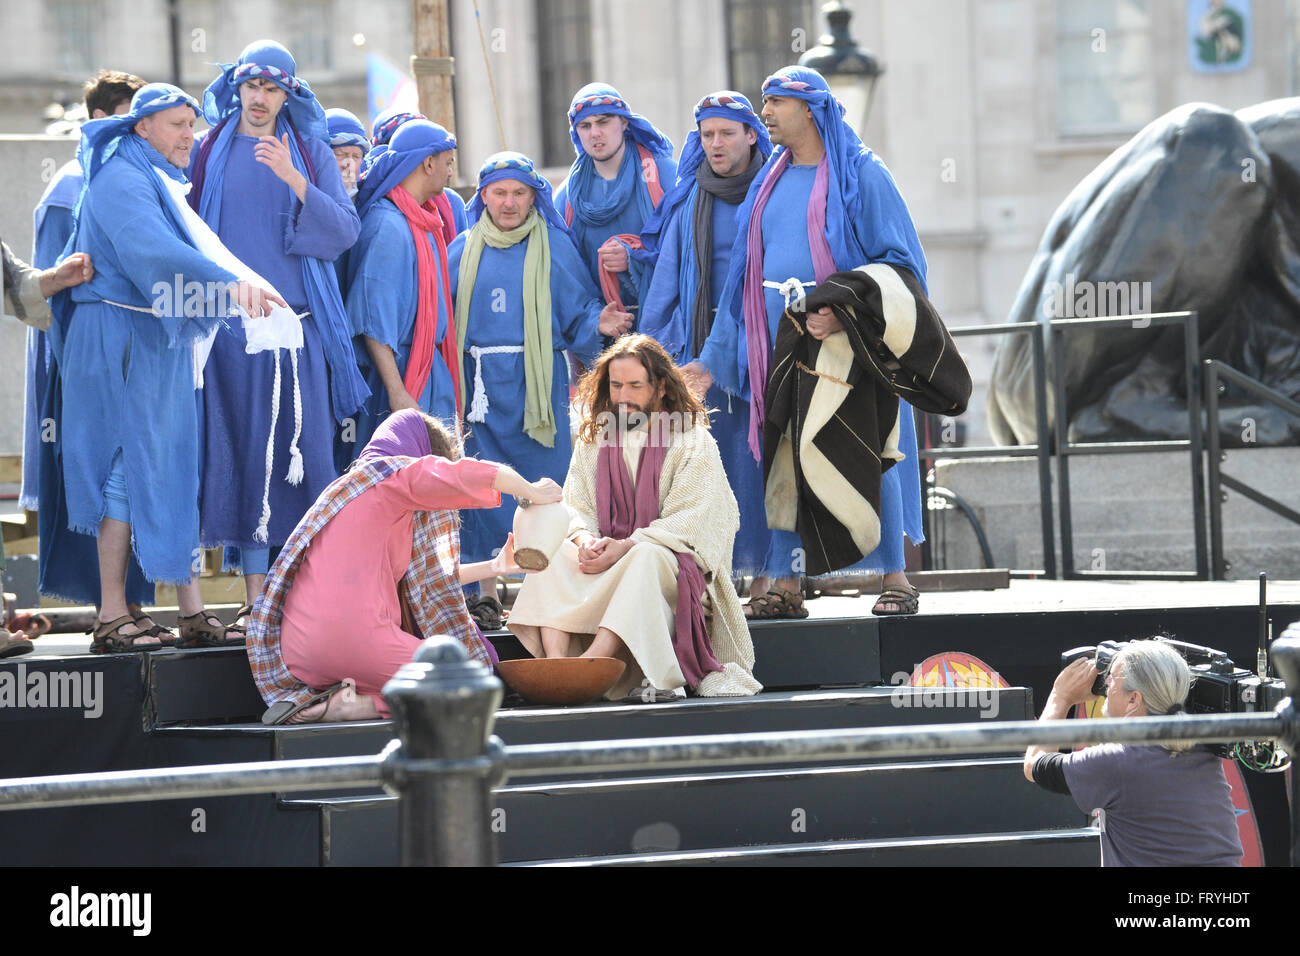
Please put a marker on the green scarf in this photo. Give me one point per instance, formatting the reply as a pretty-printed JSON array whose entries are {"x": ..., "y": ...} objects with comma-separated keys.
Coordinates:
[{"x": 539, "y": 417}]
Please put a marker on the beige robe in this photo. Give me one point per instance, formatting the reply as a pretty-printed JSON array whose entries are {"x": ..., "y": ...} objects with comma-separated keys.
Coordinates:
[
  {"x": 637, "y": 597},
  {"x": 21, "y": 298}
]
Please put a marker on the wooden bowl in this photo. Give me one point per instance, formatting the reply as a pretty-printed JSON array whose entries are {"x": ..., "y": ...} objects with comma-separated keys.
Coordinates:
[{"x": 561, "y": 680}]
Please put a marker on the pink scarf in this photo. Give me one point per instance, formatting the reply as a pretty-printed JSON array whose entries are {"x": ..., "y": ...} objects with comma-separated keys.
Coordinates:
[
  {"x": 758, "y": 342},
  {"x": 619, "y": 511},
  {"x": 424, "y": 219}
]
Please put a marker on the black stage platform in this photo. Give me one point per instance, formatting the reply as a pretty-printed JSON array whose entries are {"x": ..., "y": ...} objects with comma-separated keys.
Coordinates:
[{"x": 835, "y": 670}]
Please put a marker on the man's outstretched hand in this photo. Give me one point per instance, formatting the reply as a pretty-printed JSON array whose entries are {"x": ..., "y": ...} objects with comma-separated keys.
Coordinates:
[{"x": 74, "y": 270}]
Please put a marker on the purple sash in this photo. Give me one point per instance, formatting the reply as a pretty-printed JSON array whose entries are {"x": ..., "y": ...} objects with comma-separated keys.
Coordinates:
[{"x": 620, "y": 511}]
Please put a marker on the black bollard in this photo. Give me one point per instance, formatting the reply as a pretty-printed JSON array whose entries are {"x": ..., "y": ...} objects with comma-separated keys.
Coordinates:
[
  {"x": 442, "y": 766},
  {"x": 1286, "y": 661}
]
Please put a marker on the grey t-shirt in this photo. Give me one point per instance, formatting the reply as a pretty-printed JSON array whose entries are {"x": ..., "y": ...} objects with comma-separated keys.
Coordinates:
[{"x": 1160, "y": 809}]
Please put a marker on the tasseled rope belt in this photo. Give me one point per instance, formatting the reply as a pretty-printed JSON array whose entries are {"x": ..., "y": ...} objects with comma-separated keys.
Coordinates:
[{"x": 478, "y": 408}]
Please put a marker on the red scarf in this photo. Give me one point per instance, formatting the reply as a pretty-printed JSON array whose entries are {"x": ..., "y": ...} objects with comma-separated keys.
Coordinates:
[
  {"x": 423, "y": 220},
  {"x": 443, "y": 205}
]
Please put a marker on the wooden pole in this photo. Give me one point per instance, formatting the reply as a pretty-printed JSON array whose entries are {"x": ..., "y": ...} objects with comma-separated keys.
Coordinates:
[{"x": 432, "y": 65}]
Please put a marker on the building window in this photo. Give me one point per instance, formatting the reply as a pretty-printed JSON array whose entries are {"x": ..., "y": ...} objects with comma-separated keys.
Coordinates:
[
  {"x": 1104, "y": 81},
  {"x": 762, "y": 37},
  {"x": 564, "y": 52},
  {"x": 75, "y": 25},
  {"x": 308, "y": 28}
]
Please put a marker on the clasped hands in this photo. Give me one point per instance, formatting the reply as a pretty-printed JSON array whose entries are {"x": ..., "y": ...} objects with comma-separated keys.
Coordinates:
[{"x": 601, "y": 554}]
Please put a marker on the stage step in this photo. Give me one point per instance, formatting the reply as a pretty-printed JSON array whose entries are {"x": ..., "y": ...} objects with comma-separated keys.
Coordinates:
[
  {"x": 696, "y": 811},
  {"x": 215, "y": 685},
  {"x": 1055, "y": 848},
  {"x": 775, "y": 712}
]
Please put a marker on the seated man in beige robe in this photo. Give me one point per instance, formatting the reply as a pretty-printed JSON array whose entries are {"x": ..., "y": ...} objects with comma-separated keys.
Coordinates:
[{"x": 645, "y": 574}]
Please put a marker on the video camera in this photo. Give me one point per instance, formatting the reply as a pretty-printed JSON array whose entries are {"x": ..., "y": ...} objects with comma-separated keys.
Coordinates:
[{"x": 1218, "y": 685}]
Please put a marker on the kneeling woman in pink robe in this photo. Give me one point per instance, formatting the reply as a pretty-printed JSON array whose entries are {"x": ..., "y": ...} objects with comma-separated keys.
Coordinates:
[{"x": 372, "y": 569}]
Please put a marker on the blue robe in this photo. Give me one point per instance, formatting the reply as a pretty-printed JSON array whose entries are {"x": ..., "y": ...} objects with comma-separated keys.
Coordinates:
[
  {"x": 382, "y": 299},
  {"x": 263, "y": 223},
  {"x": 629, "y": 219},
  {"x": 343, "y": 267},
  {"x": 667, "y": 314},
  {"x": 69, "y": 562},
  {"x": 127, "y": 376},
  {"x": 883, "y": 232},
  {"x": 496, "y": 317},
  {"x": 52, "y": 225}
]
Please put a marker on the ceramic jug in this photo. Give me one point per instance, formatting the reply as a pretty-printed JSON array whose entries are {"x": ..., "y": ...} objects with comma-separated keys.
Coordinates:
[{"x": 539, "y": 532}]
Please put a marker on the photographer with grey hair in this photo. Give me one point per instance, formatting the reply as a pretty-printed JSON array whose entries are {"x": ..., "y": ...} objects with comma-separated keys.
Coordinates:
[{"x": 1157, "y": 805}]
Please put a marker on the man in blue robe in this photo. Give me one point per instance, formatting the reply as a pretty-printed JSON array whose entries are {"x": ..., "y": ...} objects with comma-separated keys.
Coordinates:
[
  {"x": 266, "y": 182},
  {"x": 623, "y": 169},
  {"x": 522, "y": 299},
  {"x": 122, "y": 342},
  {"x": 385, "y": 127},
  {"x": 387, "y": 286},
  {"x": 692, "y": 232},
  {"x": 74, "y": 574},
  {"x": 349, "y": 143},
  {"x": 822, "y": 203}
]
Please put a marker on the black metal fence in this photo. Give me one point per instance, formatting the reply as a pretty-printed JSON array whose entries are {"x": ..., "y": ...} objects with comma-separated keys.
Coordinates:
[
  {"x": 1217, "y": 373},
  {"x": 445, "y": 761},
  {"x": 1051, "y": 334}
]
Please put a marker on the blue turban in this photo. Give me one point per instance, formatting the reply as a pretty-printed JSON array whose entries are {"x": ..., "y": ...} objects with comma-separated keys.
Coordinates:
[
  {"x": 724, "y": 104},
  {"x": 387, "y": 123},
  {"x": 414, "y": 142},
  {"x": 345, "y": 130},
  {"x": 100, "y": 138},
  {"x": 268, "y": 60},
  {"x": 520, "y": 168},
  {"x": 597, "y": 98},
  {"x": 842, "y": 145}
]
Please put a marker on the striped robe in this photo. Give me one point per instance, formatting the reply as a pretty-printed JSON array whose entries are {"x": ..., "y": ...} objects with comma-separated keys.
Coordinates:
[{"x": 832, "y": 406}]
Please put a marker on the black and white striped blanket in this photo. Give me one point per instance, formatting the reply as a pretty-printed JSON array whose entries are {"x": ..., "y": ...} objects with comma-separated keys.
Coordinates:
[{"x": 832, "y": 406}]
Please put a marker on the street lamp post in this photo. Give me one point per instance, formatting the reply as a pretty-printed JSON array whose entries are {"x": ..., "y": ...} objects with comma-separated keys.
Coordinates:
[{"x": 850, "y": 70}]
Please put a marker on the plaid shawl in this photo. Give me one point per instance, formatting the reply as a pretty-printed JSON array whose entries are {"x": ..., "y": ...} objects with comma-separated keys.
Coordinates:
[
  {"x": 431, "y": 584},
  {"x": 832, "y": 406}
]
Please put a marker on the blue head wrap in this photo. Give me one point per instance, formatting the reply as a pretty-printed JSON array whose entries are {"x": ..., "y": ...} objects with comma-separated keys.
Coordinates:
[
  {"x": 842, "y": 145},
  {"x": 724, "y": 104},
  {"x": 267, "y": 60},
  {"x": 415, "y": 141},
  {"x": 516, "y": 166},
  {"x": 597, "y": 98},
  {"x": 346, "y": 130},
  {"x": 100, "y": 138},
  {"x": 387, "y": 123}
]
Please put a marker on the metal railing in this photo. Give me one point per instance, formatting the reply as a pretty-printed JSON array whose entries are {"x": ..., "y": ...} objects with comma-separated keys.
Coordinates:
[
  {"x": 1216, "y": 373},
  {"x": 1064, "y": 449},
  {"x": 445, "y": 761}
]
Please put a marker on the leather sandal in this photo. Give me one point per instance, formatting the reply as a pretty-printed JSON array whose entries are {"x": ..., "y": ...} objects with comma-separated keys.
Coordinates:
[
  {"x": 108, "y": 638},
  {"x": 28, "y": 624},
  {"x": 905, "y": 596},
  {"x": 205, "y": 629},
  {"x": 12, "y": 645},
  {"x": 776, "y": 604},
  {"x": 164, "y": 634}
]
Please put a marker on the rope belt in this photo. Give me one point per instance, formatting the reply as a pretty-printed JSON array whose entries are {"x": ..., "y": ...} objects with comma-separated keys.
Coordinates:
[
  {"x": 478, "y": 408},
  {"x": 790, "y": 289}
]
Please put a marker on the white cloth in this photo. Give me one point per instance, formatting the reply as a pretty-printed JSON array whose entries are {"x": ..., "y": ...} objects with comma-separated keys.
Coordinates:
[{"x": 637, "y": 597}]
